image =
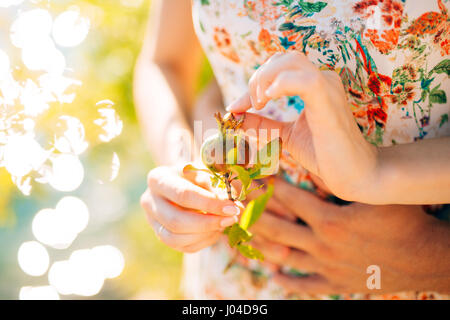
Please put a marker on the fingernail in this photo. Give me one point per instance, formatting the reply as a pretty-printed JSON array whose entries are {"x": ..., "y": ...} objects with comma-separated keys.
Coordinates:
[
  {"x": 228, "y": 221},
  {"x": 231, "y": 210},
  {"x": 232, "y": 106}
]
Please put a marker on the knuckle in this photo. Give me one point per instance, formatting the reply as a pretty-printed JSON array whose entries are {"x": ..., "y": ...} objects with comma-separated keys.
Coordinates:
[
  {"x": 275, "y": 232},
  {"x": 262, "y": 225},
  {"x": 170, "y": 240},
  {"x": 334, "y": 76},
  {"x": 146, "y": 203},
  {"x": 173, "y": 224},
  {"x": 275, "y": 57},
  {"x": 212, "y": 205},
  {"x": 317, "y": 80},
  {"x": 153, "y": 177},
  {"x": 283, "y": 78},
  {"x": 252, "y": 83},
  {"x": 321, "y": 250},
  {"x": 182, "y": 195},
  {"x": 165, "y": 236},
  {"x": 326, "y": 225},
  {"x": 332, "y": 229},
  {"x": 295, "y": 56},
  {"x": 294, "y": 53}
]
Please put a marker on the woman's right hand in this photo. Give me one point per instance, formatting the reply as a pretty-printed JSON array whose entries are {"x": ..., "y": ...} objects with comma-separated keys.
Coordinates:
[
  {"x": 184, "y": 214},
  {"x": 325, "y": 139}
]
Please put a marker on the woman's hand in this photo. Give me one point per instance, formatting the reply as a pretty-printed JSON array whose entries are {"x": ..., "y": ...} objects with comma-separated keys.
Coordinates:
[
  {"x": 182, "y": 211},
  {"x": 325, "y": 139},
  {"x": 339, "y": 243}
]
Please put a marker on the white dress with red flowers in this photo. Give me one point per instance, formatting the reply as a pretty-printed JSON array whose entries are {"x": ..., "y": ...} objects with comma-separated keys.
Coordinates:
[{"x": 393, "y": 58}]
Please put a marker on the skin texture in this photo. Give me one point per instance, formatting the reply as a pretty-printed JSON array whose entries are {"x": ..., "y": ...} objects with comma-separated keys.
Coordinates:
[
  {"x": 340, "y": 242},
  {"x": 327, "y": 141},
  {"x": 175, "y": 206}
]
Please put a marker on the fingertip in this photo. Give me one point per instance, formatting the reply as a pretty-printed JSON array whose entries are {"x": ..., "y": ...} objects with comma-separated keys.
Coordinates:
[
  {"x": 284, "y": 252},
  {"x": 259, "y": 106},
  {"x": 241, "y": 104},
  {"x": 226, "y": 222},
  {"x": 231, "y": 210},
  {"x": 235, "y": 108}
]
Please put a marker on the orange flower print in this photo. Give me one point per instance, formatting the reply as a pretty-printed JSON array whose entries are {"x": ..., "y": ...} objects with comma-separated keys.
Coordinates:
[
  {"x": 402, "y": 95},
  {"x": 222, "y": 40},
  {"x": 270, "y": 44},
  {"x": 386, "y": 36},
  {"x": 434, "y": 23},
  {"x": 264, "y": 38},
  {"x": 429, "y": 22}
]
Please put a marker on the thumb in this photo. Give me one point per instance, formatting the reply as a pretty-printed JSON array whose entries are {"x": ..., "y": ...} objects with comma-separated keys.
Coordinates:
[
  {"x": 242, "y": 104},
  {"x": 296, "y": 137},
  {"x": 265, "y": 129}
]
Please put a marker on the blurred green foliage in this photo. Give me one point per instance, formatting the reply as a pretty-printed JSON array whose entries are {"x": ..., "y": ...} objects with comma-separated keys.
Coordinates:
[{"x": 104, "y": 63}]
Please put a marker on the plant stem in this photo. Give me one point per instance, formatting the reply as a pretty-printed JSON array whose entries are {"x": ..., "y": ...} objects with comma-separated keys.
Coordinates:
[
  {"x": 228, "y": 185},
  {"x": 231, "y": 262}
]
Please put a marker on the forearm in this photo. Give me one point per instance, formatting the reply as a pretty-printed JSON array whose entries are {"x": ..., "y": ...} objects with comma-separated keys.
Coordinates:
[
  {"x": 416, "y": 173},
  {"x": 164, "y": 81},
  {"x": 159, "y": 105}
]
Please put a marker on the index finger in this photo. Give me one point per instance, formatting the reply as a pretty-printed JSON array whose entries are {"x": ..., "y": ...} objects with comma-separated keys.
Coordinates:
[
  {"x": 168, "y": 184},
  {"x": 240, "y": 105},
  {"x": 302, "y": 203},
  {"x": 182, "y": 221}
]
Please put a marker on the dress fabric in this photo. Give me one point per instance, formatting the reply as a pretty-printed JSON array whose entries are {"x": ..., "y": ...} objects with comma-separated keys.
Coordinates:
[{"x": 393, "y": 58}]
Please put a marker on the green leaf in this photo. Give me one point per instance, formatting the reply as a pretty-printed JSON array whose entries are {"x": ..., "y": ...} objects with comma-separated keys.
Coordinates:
[
  {"x": 285, "y": 3},
  {"x": 245, "y": 179},
  {"x": 438, "y": 96},
  {"x": 237, "y": 235},
  {"x": 442, "y": 67},
  {"x": 205, "y": 2},
  {"x": 232, "y": 156},
  {"x": 312, "y": 7},
  {"x": 289, "y": 26},
  {"x": 284, "y": 41},
  {"x": 255, "y": 208},
  {"x": 250, "y": 252},
  {"x": 214, "y": 181},
  {"x": 444, "y": 119},
  {"x": 268, "y": 159}
]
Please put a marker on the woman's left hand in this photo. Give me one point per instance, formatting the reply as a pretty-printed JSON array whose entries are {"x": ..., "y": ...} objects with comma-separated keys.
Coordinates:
[{"x": 340, "y": 243}]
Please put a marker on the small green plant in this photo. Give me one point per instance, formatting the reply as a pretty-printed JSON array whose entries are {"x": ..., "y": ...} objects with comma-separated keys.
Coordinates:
[{"x": 226, "y": 156}]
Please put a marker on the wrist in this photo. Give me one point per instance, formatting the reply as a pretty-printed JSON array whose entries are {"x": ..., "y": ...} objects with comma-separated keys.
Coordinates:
[{"x": 362, "y": 183}]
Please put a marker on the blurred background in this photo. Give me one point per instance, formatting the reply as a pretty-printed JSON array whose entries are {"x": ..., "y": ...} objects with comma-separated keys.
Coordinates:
[{"x": 72, "y": 161}]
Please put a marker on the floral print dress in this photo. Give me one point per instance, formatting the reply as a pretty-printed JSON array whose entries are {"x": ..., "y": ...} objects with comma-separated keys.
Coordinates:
[{"x": 393, "y": 58}]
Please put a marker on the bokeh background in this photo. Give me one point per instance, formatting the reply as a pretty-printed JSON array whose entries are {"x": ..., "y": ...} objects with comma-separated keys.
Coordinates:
[{"x": 34, "y": 263}]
